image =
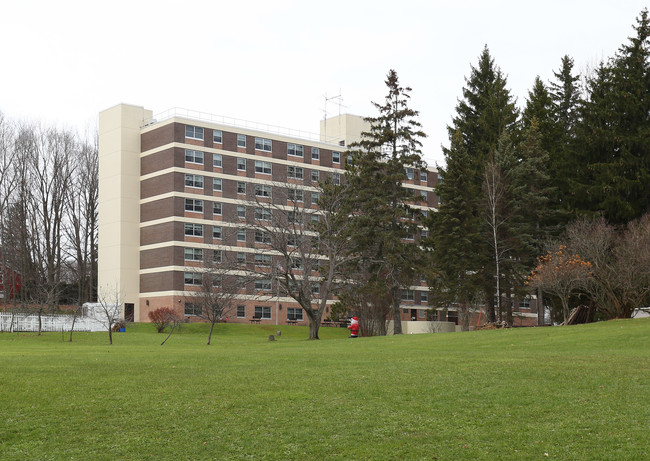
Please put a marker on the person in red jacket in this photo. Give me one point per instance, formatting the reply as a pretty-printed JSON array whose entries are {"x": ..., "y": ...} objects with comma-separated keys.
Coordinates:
[{"x": 354, "y": 328}]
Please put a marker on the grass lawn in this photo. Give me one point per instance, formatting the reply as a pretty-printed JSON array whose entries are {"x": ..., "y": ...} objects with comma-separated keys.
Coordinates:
[{"x": 579, "y": 392}]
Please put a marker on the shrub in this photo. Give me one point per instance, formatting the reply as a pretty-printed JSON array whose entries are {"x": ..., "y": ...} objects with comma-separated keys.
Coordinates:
[{"x": 162, "y": 317}]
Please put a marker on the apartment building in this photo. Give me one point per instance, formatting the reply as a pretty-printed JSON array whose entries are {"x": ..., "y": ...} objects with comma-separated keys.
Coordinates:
[{"x": 174, "y": 191}]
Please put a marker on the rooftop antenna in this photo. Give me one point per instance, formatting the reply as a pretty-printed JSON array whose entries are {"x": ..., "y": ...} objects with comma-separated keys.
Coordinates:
[{"x": 339, "y": 98}]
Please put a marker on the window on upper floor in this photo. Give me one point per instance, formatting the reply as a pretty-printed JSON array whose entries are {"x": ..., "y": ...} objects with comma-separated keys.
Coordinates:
[
  {"x": 262, "y": 259},
  {"x": 262, "y": 237},
  {"x": 315, "y": 153},
  {"x": 193, "y": 205},
  {"x": 193, "y": 156},
  {"x": 217, "y": 232},
  {"x": 315, "y": 197},
  {"x": 295, "y": 172},
  {"x": 217, "y": 256},
  {"x": 193, "y": 230},
  {"x": 262, "y": 214},
  {"x": 315, "y": 175},
  {"x": 409, "y": 173},
  {"x": 217, "y": 184},
  {"x": 408, "y": 295},
  {"x": 336, "y": 179},
  {"x": 217, "y": 208},
  {"x": 193, "y": 254},
  {"x": 295, "y": 149},
  {"x": 217, "y": 161},
  {"x": 423, "y": 175},
  {"x": 241, "y": 257},
  {"x": 194, "y": 132},
  {"x": 336, "y": 157},
  {"x": 241, "y": 211},
  {"x": 241, "y": 235},
  {"x": 193, "y": 180},
  {"x": 263, "y": 144},
  {"x": 241, "y": 187},
  {"x": 241, "y": 140},
  {"x": 193, "y": 278},
  {"x": 263, "y": 284},
  {"x": 262, "y": 190},
  {"x": 262, "y": 167},
  {"x": 295, "y": 195},
  {"x": 217, "y": 136},
  {"x": 241, "y": 164}
]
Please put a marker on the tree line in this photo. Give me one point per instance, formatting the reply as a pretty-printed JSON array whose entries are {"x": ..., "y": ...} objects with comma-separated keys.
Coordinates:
[
  {"x": 48, "y": 215},
  {"x": 515, "y": 181}
]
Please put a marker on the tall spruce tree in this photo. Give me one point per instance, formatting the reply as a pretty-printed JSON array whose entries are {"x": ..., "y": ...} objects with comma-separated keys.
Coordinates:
[
  {"x": 561, "y": 143},
  {"x": 376, "y": 173},
  {"x": 454, "y": 232},
  {"x": 486, "y": 111},
  {"x": 615, "y": 132}
]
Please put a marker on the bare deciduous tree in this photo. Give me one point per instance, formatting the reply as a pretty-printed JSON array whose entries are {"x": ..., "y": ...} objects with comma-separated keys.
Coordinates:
[
  {"x": 108, "y": 309},
  {"x": 308, "y": 245}
]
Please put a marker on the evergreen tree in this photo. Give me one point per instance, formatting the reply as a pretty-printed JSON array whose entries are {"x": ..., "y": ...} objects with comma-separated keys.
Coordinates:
[
  {"x": 486, "y": 111},
  {"x": 563, "y": 145},
  {"x": 614, "y": 135},
  {"x": 454, "y": 232},
  {"x": 376, "y": 172},
  {"x": 539, "y": 106}
]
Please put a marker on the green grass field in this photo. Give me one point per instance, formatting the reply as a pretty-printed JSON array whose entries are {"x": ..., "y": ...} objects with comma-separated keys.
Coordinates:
[{"x": 579, "y": 392}]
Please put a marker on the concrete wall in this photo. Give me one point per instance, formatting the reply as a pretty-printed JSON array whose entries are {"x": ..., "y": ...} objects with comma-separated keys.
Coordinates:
[{"x": 411, "y": 328}]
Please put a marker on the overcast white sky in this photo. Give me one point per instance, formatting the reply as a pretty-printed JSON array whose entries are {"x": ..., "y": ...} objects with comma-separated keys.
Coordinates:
[{"x": 273, "y": 61}]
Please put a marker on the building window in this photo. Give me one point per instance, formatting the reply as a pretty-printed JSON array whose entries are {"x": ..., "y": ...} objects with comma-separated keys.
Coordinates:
[
  {"x": 315, "y": 197},
  {"x": 241, "y": 164},
  {"x": 315, "y": 289},
  {"x": 262, "y": 237},
  {"x": 409, "y": 173},
  {"x": 315, "y": 153},
  {"x": 194, "y": 156},
  {"x": 424, "y": 233},
  {"x": 295, "y": 150},
  {"x": 194, "y": 205},
  {"x": 424, "y": 297},
  {"x": 241, "y": 312},
  {"x": 263, "y": 144},
  {"x": 241, "y": 187},
  {"x": 193, "y": 254},
  {"x": 439, "y": 178},
  {"x": 315, "y": 218},
  {"x": 262, "y": 312},
  {"x": 241, "y": 140},
  {"x": 423, "y": 175},
  {"x": 424, "y": 195},
  {"x": 262, "y": 167},
  {"x": 217, "y": 232},
  {"x": 263, "y": 284},
  {"x": 294, "y": 313},
  {"x": 336, "y": 157},
  {"x": 241, "y": 235},
  {"x": 193, "y": 278},
  {"x": 295, "y": 172},
  {"x": 193, "y": 309},
  {"x": 217, "y": 209},
  {"x": 315, "y": 175},
  {"x": 194, "y": 132},
  {"x": 524, "y": 303},
  {"x": 217, "y": 256},
  {"x": 262, "y": 214},
  {"x": 195, "y": 230},
  {"x": 193, "y": 180},
  {"x": 295, "y": 195},
  {"x": 262, "y": 259},
  {"x": 217, "y": 136},
  {"x": 241, "y": 211},
  {"x": 217, "y": 161},
  {"x": 216, "y": 184},
  {"x": 262, "y": 190},
  {"x": 408, "y": 295},
  {"x": 241, "y": 257},
  {"x": 336, "y": 179}
]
